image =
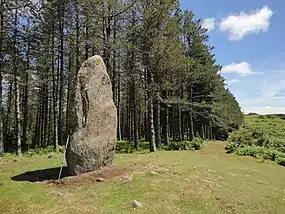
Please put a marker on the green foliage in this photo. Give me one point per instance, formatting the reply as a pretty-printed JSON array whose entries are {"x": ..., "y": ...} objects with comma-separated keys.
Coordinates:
[
  {"x": 252, "y": 151},
  {"x": 173, "y": 145},
  {"x": 126, "y": 147},
  {"x": 226, "y": 113},
  {"x": 43, "y": 151},
  {"x": 263, "y": 153},
  {"x": 164, "y": 56},
  {"x": 281, "y": 161},
  {"x": 196, "y": 144},
  {"x": 260, "y": 137}
]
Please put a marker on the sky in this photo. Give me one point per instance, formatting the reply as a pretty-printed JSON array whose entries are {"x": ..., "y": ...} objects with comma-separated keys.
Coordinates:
[{"x": 249, "y": 41}]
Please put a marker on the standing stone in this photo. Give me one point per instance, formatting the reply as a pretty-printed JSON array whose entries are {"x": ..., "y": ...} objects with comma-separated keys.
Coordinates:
[{"x": 92, "y": 122}]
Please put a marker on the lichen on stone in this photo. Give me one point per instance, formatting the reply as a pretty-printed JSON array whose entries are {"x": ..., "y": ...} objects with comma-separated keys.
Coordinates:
[{"x": 98, "y": 61}]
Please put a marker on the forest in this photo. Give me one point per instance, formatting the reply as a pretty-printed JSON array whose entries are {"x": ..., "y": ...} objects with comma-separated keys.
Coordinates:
[
  {"x": 183, "y": 143},
  {"x": 166, "y": 82}
]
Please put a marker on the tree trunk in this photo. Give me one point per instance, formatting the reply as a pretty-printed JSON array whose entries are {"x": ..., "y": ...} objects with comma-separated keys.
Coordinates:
[
  {"x": 106, "y": 32},
  {"x": 191, "y": 125},
  {"x": 9, "y": 119},
  {"x": 42, "y": 114},
  {"x": 136, "y": 144},
  {"x": 119, "y": 132},
  {"x": 54, "y": 95},
  {"x": 114, "y": 67},
  {"x": 210, "y": 131},
  {"x": 182, "y": 127},
  {"x": 157, "y": 122},
  {"x": 37, "y": 129},
  {"x": 1, "y": 63},
  {"x": 46, "y": 117},
  {"x": 129, "y": 131},
  {"x": 86, "y": 39},
  {"x": 202, "y": 131},
  {"x": 151, "y": 127},
  {"x": 136, "y": 141},
  {"x": 16, "y": 86},
  {"x": 60, "y": 108},
  {"x": 26, "y": 109},
  {"x": 18, "y": 116},
  {"x": 146, "y": 127},
  {"x": 166, "y": 125},
  {"x": 70, "y": 80},
  {"x": 139, "y": 123},
  {"x": 50, "y": 125},
  {"x": 179, "y": 124},
  {"x": 152, "y": 144}
]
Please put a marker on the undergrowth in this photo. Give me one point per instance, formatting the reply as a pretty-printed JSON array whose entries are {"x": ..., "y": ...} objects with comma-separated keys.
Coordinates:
[
  {"x": 125, "y": 147},
  {"x": 195, "y": 144},
  {"x": 258, "y": 138},
  {"x": 39, "y": 151}
]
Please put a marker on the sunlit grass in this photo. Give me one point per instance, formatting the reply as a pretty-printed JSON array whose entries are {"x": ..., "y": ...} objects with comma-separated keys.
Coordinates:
[{"x": 206, "y": 181}]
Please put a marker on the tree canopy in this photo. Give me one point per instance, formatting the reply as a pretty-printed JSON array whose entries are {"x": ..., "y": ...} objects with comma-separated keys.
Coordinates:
[{"x": 166, "y": 82}]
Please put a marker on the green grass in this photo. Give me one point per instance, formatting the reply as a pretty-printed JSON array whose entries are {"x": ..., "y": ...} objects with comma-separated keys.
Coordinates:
[
  {"x": 206, "y": 181},
  {"x": 272, "y": 125}
]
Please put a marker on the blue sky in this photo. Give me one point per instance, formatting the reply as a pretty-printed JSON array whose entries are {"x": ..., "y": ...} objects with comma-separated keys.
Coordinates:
[{"x": 249, "y": 40}]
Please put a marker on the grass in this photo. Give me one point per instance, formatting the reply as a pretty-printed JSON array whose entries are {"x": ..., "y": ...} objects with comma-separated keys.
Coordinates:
[
  {"x": 205, "y": 181},
  {"x": 272, "y": 125}
]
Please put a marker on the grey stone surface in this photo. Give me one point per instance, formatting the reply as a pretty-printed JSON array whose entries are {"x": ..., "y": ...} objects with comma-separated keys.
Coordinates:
[{"x": 93, "y": 120}]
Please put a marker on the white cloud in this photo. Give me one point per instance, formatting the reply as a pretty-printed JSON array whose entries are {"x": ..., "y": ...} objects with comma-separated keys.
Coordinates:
[
  {"x": 269, "y": 91},
  {"x": 209, "y": 24},
  {"x": 242, "y": 68},
  {"x": 265, "y": 110},
  {"x": 262, "y": 94},
  {"x": 233, "y": 81},
  {"x": 240, "y": 25}
]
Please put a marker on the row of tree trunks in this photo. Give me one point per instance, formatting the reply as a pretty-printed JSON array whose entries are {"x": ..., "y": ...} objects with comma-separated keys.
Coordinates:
[{"x": 45, "y": 44}]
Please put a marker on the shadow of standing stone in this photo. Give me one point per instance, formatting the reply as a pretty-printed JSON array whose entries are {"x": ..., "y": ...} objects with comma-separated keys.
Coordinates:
[{"x": 41, "y": 175}]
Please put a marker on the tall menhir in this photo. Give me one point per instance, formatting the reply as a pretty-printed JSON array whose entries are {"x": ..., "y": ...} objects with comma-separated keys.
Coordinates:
[{"x": 93, "y": 119}]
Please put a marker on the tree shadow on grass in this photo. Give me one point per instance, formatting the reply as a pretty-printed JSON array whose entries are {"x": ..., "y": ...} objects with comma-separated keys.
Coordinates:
[{"x": 41, "y": 175}]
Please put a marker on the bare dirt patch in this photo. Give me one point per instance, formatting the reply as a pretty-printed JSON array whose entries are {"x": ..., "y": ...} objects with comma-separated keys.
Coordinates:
[
  {"x": 87, "y": 178},
  {"x": 214, "y": 148}
]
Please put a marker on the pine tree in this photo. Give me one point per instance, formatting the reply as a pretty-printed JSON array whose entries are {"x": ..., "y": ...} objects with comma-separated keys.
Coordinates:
[{"x": 166, "y": 83}]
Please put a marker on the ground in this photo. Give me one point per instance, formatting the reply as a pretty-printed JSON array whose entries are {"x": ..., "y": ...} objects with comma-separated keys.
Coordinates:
[{"x": 206, "y": 181}]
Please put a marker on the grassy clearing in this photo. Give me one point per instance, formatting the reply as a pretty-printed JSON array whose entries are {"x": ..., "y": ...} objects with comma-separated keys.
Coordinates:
[{"x": 206, "y": 181}]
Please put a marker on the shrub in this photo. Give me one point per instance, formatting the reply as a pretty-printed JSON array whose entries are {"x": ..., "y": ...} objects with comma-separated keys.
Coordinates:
[
  {"x": 184, "y": 145},
  {"x": 196, "y": 144},
  {"x": 277, "y": 144},
  {"x": 61, "y": 149},
  {"x": 231, "y": 147},
  {"x": 270, "y": 155},
  {"x": 281, "y": 161},
  {"x": 253, "y": 151},
  {"x": 262, "y": 152},
  {"x": 260, "y": 137}
]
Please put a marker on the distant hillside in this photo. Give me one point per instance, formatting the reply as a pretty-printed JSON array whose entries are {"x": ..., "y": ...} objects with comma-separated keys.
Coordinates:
[
  {"x": 272, "y": 124},
  {"x": 261, "y": 136},
  {"x": 281, "y": 116}
]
